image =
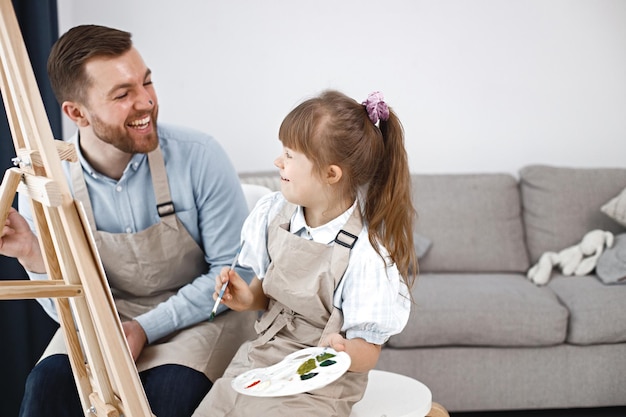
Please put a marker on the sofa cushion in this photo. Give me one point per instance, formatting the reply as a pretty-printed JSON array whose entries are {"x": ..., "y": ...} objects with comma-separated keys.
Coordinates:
[
  {"x": 474, "y": 222},
  {"x": 253, "y": 194},
  {"x": 482, "y": 310},
  {"x": 269, "y": 179},
  {"x": 597, "y": 310},
  {"x": 616, "y": 208},
  {"x": 562, "y": 204},
  {"x": 422, "y": 244}
]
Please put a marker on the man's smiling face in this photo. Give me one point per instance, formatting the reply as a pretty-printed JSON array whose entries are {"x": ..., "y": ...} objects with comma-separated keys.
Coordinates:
[{"x": 122, "y": 105}]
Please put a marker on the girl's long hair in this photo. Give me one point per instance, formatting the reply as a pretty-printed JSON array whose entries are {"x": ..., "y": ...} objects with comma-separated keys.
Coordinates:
[{"x": 333, "y": 129}]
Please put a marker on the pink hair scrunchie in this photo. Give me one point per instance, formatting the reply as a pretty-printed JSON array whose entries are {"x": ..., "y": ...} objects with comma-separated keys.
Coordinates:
[{"x": 376, "y": 107}]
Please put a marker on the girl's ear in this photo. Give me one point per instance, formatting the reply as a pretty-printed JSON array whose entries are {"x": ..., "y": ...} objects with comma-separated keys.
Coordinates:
[
  {"x": 333, "y": 174},
  {"x": 75, "y": 112}
]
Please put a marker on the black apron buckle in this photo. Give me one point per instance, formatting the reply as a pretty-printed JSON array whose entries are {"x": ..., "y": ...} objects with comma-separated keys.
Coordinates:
[
  {"x": 165, "y": 209},
  {"x": 348, "y": 245}
]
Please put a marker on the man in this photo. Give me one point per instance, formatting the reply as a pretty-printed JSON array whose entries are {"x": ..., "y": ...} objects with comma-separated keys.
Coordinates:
[{"x": 165, "y": 207}]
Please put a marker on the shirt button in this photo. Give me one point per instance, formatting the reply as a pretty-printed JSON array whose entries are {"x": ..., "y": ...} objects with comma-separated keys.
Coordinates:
[
  {"x": 129, "y": 230},
  {"x": 118, "y": 188}
]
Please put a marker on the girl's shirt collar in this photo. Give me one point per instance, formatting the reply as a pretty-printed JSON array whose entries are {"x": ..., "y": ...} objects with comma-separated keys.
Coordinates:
[{"x": 321, "y": 234}]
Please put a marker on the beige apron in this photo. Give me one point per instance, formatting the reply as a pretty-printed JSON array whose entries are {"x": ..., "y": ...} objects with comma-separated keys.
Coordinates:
[
  {"x": 145, "y": 268},
  {"x": 300, "y": 283}
]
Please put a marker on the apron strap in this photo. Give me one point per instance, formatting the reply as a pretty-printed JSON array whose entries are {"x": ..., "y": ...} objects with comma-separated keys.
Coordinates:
[
  {"x": 81, "y": 194},
  {"x": 344, "y": 242},
  {"x": 271, "y": 323},
  {"x": 165, "y": 206}
]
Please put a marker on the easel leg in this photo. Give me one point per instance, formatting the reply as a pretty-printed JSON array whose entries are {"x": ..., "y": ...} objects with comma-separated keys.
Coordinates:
[
  {"x": 10, "y": 181},
  {"x": 109, "y": 382}
]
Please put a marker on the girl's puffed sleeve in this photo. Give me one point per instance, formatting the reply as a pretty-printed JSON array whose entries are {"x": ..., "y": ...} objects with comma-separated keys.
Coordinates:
[
  {"x": 254, "y": 233},
  {"x": 374, "y": 299}
]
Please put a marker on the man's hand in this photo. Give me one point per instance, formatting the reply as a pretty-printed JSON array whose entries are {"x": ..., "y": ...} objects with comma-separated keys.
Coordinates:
[
  {"x": 18, "y": 241},
  {"x": 135, "y": 336}
]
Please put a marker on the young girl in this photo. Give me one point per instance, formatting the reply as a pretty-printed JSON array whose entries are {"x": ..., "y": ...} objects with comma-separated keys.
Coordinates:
[{"x": 333, "y": 254}]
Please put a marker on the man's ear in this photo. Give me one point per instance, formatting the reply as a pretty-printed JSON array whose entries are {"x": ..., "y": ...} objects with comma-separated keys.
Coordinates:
[
  {"x": 75, "y": 112},
  {"x": 333, "y": 174}
]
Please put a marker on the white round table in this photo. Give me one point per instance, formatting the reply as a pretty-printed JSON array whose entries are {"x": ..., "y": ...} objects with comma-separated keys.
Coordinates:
[{"x": 393, "y": 395}]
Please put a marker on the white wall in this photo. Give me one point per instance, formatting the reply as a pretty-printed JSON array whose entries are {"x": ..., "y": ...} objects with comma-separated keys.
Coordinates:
[{"x": 480, "y": 85}]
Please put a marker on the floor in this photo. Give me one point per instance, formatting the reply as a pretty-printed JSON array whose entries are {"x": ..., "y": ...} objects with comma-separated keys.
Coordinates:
[{"x": 576, "y": 412}]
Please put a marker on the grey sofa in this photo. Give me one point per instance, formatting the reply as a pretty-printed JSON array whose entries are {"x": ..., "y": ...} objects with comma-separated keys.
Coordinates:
[{"x": 481, "y": 335}]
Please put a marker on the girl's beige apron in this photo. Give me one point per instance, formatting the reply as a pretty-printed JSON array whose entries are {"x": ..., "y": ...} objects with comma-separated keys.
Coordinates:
[
  {"x": 300, "y": 284},
  {"x": 146, "y": 268}
]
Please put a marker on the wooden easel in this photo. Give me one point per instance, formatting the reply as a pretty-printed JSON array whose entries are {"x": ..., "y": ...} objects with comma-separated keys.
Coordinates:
[{"x": 104, "y": 370}]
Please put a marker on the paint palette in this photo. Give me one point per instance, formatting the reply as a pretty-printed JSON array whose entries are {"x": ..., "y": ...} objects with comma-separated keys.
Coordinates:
[{"x": 302, "y": 371}]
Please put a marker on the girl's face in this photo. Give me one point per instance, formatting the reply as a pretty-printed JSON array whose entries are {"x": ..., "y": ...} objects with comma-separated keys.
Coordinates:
[{"x": 299, "y": 181}]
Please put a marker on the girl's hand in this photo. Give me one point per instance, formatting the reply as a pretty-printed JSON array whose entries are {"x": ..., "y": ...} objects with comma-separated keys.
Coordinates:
[
  {"x": 335, "y": 341},
  {"x": 363, "y": 355},
  {"x": 237, "y": 295}
]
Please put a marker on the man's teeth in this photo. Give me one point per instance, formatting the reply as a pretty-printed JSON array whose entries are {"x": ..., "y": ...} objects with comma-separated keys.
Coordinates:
[{"x": 140, "y": 123}]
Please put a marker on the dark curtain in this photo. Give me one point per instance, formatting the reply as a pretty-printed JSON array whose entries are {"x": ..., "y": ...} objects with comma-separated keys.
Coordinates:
[{"x": 25, "y": 328}]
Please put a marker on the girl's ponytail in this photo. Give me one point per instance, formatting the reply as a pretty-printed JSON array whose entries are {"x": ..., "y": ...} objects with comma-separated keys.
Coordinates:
[{"x": 389, "y": 207}]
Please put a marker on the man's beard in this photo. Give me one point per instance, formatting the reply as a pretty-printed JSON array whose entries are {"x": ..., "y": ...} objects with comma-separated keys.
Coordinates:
[{"x": 122, "y": 140}]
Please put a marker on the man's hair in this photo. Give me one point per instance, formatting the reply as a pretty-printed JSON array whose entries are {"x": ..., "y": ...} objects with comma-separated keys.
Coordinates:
[{"x": 67, "y": 59}]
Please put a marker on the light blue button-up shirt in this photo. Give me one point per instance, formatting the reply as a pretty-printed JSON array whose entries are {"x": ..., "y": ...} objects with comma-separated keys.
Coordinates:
[{"x": 209, "y": 201}]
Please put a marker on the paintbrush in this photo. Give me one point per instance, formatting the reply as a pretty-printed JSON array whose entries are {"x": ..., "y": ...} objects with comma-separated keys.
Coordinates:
[{"x": 224, "y": 285}]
